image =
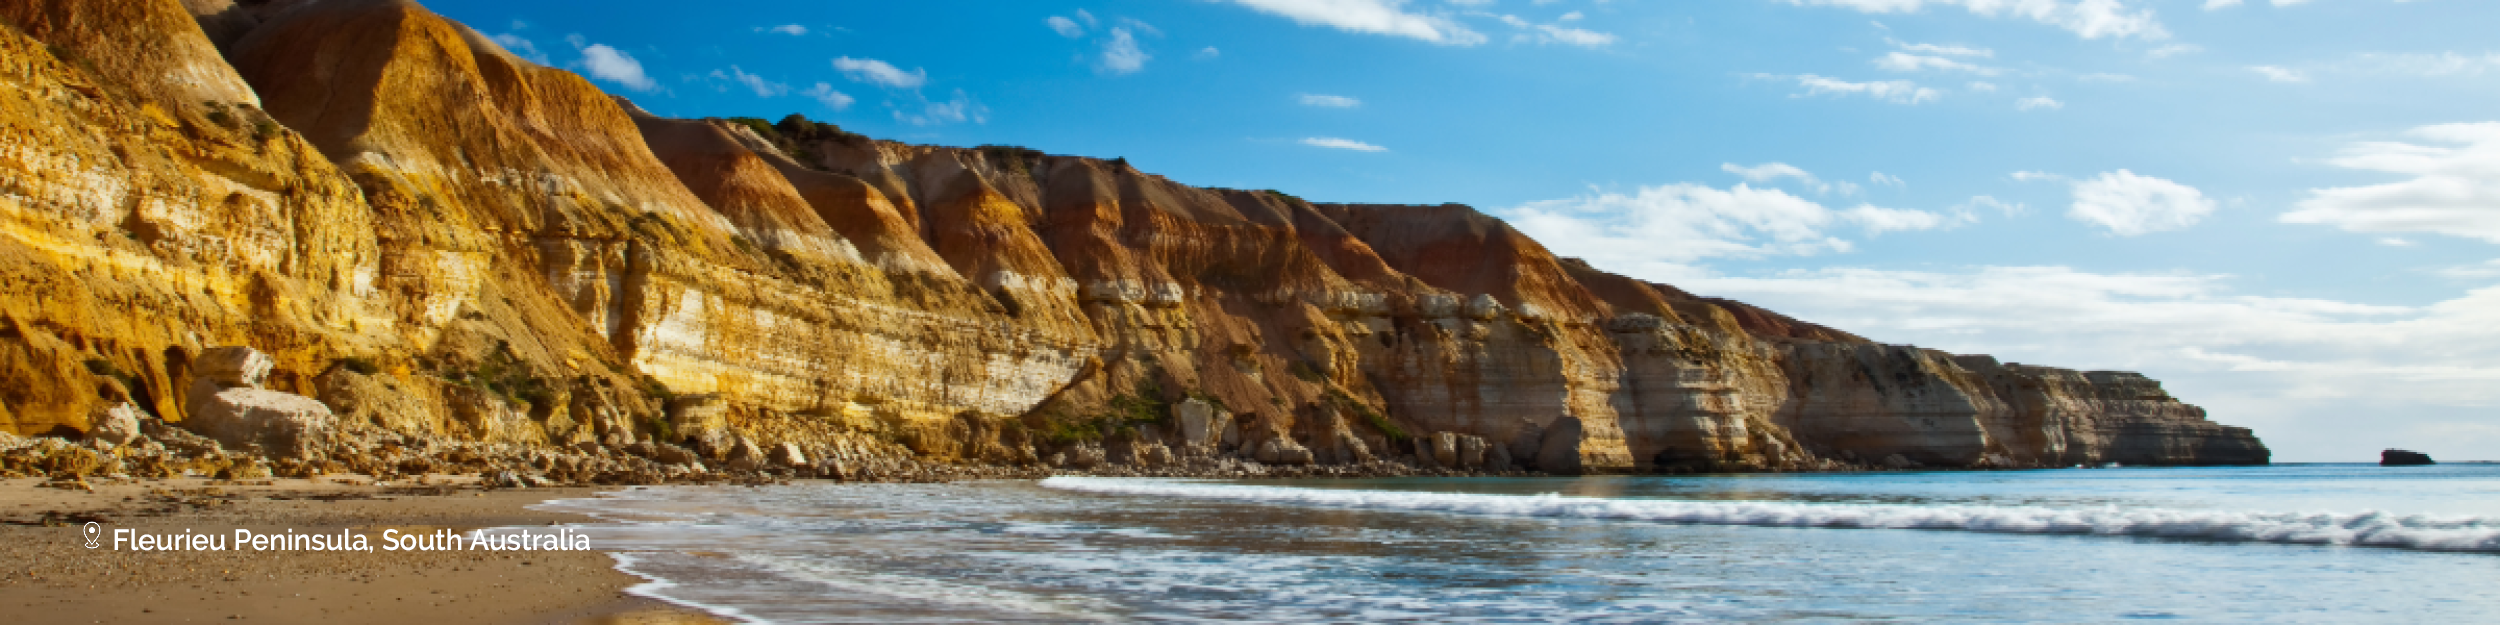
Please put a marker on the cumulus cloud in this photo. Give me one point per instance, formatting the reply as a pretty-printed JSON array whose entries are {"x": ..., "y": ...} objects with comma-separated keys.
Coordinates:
[
  {"x": 1894, "y": 91},
  {"x": 832, "y": 99},
  {"x": 876, "y": 72},
  {"x": 2129, "y": 205},
  {"x": 1065, "y": 27},
  {"x": 613, "y": 65},
  {"x": 762, "y": 88},
  {"x": 961, "y": 108},
  {"x": 521, "y": 47},
  {"x": 2129, "y": 321},
  {"x": 2280, "y": 74},
  {"x": 1120, "y": 53},
  {"x": 793, "y": 30},
  {"x": 1326, "y": 101},
  {"x": 1375, "y": 17},
  {"x": 1942, "y": 49},
  {"x": 2089, "y": 19},
  {"x": 1887, "y": 180},
  {"x": 1663, "y": 228},
  {"x": 2453, "y": 187},
  {"x": 2039, "y": 102},
  {"x": 1334, "y": 143},
  {"x": 1906, "y": 62},
  {"x": 1773, "y": 172}
]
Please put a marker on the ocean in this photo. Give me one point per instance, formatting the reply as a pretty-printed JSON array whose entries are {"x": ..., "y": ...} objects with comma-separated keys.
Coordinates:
[{"x": 2287, "y": 543}]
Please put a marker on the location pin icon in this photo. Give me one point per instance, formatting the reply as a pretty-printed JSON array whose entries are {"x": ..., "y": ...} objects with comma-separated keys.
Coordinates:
[{"x": 95, "y": 534}]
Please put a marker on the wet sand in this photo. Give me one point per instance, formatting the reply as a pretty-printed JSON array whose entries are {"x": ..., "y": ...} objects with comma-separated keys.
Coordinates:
[{"x": 48, "y": 575}]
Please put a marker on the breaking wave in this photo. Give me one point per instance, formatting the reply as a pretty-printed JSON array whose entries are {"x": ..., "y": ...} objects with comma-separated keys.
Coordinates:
[{"x": 2365, "y": 529}]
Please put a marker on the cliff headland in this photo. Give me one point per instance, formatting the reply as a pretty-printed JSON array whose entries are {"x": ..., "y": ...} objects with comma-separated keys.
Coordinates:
[{"x": 303, "y": 237}]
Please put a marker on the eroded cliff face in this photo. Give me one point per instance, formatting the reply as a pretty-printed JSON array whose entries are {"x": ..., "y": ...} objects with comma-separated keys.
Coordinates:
[{"x": 437, "y": 238}]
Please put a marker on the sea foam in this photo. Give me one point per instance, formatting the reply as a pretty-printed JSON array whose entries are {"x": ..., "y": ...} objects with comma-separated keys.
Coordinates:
[{"x": 2364, "y": 529}]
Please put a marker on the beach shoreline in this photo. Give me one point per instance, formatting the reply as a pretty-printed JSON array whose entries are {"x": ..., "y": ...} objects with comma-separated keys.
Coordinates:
[{"x": 51, "y": 576}]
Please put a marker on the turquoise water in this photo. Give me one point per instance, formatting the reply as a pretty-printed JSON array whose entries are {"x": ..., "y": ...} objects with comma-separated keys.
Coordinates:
[{"x": 2300, "y": 543}]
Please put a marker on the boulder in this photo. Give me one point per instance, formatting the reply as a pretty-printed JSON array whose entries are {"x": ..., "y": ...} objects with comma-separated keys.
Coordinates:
[
  {"x": 1900, "y": 462},
  {"x": 284, "y": 425},
  {"x": 118, "y": 424},
  {"x": 700, "y": 417},
  {"x": 1445, "y": 450},
  {"x": 1087, "y": 456},
  {"x": 1497, "y": 459},
  {"x": 1283, "y": 451},
  {"x": 745, "y": 455},
  {"x": 1199, "y": 427},
  {"x": 665, "y": 453},
  {"x": 1559, "y": 452},
  {"x": 1471, "y": 451},
  {"x": 789, "y": 455},
  {"x": 233, "y": 366},
  {"x": 1526, "y": 442},
  {"x": 2402, "y": 458}
]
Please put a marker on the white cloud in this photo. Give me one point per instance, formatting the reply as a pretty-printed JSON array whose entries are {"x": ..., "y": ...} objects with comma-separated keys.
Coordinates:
[
  {"x": 793, "y": 30},
  {"x": 1329, "y": 101},
  {"x": 832, "y": 99},
  {"x": 1878, "y": 220},
  {"x": 1970, "y": 210},
  {"x": 1906, "y": 62},
  {"x": 1680, "y": 223},
  {"x": 1120, "y": 54},
  {"x": 2220, "y": 4},
  {"x": 1571, "y": 17},
  {"x": 2486, "y": 269},
  {"x": 1334, "y": 143},
  {"x": 959, "y": 109},
  {"x": 878, "y": 72},
  {"x": 2130, "y": 205},
  {"x": 1207, "y": 53},
  {"x": 1982, "y": 86},
  {"x": 2039, "y": 102},
  {"x": 1773, "y": 172},
  {"x": 1942, "y": 50},
  {"x": 2172, "y": 50},
  {"x": 1376, "y": 17},
  {"x": 2105, "y": 77},
  {"x": 1670, "y": 225},
  {"x": 2063, "y": 317},
  {"x": 1887, "y": 180},
  {"x": 2454, "y": 188},
  {"x": 520, "y": 47},
  {"x": 2441, "y": 65},
  {"x": 1551, "y": 33},
  {"x": 2279, "y": 74},
  {"x": 2089, "y": 19},
  {"x": 1065, "y": 27},
  {"x": 1894, "y": 91},
  {"x": 762, "y": 88},
  {"x": 610, "y": 64}
]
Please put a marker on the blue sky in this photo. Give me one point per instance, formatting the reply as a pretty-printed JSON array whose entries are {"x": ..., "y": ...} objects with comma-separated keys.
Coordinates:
[{"x": 2286, "y": 210}]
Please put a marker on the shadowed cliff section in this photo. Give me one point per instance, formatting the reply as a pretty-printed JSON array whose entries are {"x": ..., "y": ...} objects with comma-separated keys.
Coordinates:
[{"x": 505, "y": 253}]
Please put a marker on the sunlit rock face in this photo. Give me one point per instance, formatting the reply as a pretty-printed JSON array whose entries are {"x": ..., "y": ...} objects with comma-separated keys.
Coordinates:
[{"x": 435, "y": 237}]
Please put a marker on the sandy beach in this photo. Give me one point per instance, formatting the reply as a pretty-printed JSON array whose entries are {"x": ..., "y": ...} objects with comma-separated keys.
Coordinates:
[{"x": 48, "y": 575}]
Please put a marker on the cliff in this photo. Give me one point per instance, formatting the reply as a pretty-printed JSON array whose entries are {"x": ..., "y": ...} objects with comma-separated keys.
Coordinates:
[{"x": 440, "y": 240}]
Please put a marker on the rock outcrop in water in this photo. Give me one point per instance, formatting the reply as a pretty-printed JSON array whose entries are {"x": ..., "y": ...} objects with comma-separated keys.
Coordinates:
[
  {"x": 2403, "y": 458},
  {"x": 438, "y": 241}
]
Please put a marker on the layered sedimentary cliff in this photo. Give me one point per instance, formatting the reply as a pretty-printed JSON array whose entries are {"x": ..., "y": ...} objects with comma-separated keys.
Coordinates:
[{"x": 435, "y": 238}]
